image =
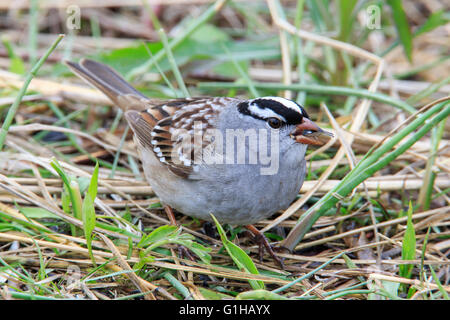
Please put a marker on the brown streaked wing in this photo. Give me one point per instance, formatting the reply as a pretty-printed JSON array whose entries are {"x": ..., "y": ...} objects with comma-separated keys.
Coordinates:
[{"x": 168, "y": 130}]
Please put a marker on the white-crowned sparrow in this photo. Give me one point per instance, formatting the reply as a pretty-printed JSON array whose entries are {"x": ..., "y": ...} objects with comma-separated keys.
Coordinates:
[{"x": 184, "y": 176}]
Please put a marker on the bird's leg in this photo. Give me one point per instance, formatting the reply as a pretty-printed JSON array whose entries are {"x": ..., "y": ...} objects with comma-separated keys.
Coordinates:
[
  {"x": 262, "y": 242},
  {"x": 170, "y": 215},
  {"x": 182, "y": 250}
]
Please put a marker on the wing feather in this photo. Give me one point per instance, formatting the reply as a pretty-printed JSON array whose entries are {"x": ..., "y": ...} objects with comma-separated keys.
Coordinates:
[{"x": 168, "y": 129}]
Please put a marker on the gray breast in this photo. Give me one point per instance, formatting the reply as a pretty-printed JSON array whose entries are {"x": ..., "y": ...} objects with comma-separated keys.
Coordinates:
[{"x": 240, "y": 194}]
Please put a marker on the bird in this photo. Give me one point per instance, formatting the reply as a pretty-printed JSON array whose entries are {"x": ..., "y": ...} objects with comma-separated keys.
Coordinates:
[{"x": 196, "y": 168}]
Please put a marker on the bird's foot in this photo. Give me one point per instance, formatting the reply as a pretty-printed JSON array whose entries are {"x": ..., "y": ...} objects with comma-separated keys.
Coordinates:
[
  {"x": 183, "y": 252},
  {"x": 263, "y": 243}
]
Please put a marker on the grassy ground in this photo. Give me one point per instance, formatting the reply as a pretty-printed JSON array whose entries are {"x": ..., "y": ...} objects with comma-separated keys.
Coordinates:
[{"x": 374, "y": 212}]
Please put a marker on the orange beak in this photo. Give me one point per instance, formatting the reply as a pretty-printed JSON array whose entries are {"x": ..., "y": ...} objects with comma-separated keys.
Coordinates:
[{"x": 308, "y": 132}]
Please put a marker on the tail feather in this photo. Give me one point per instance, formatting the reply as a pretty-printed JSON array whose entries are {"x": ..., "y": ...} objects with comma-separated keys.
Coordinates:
[{"x": 104, "y": 78}]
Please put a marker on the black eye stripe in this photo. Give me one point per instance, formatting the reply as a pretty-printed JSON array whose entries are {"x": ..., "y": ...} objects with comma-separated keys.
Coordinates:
[
  {"x": 304, "y": 112},
  {"x": 243, "y": 108},
  {"x": 291, "y": 116}
]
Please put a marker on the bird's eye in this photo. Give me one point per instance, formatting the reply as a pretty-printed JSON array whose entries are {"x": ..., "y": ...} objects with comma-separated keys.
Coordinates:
[{"x": 274, "y": 123}]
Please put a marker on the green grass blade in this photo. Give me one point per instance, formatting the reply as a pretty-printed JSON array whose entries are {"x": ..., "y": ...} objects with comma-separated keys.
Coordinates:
[
  {"x": 315, "y": 88},
  {"x": 348, "y": 292},
  {"x": 200, "y": 251},
  {"x": 117, "y": 155},
  {"x": 73, "y": 190},
  {"x": 13, "y": 109},
  {"x": 298, "y": 45},
  {"x": 206, "y": 16},
  {"x": 242, "y": 73},
  {"x": 89, "y": 219},
  {"x": 435, "y": 20},
  {"x": 17, "y": 65},
  {"x": 428, "y": 91},
  {"x": 172, "y": 234},
  {"x": 422, "y": 256},
  {"x": 178, "y": 285},
  {"x": 166, "y": 80},
  {"x": 173, "y": 63},
  {"x": 426, "y": 191},
  {"x": 439, "y": 284},
  {"x": 372, "y": 162},
  {"x": 346, "y": 18},
  {"x": 162, "y": 35},
  {"x": 93, "y": 185},
  {"x": 75, "y": 196},
  {"x": 351, "y": 265},
  {"x": 402, "y": 26},
  {"x": 60, "y": 171},
  {"x": 33, "y": 31},
  {"x": 156, "y": 235},
  {"x": 408, "y": 246},
  {"x": 323, "y": 265},
  {"x": 260, "y": 295},
  {"x": 240, "y": 258},
  {"x": 88, "y": 211}
]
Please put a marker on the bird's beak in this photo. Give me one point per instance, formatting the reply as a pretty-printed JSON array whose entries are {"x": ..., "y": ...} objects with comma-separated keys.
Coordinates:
[{"x": 308, "y": 132}]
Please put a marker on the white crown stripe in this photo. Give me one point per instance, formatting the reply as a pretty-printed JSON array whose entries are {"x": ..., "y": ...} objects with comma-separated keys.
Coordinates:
[
  {"x": 263, "y": 113},
  {"x": 286, "y": 102}
]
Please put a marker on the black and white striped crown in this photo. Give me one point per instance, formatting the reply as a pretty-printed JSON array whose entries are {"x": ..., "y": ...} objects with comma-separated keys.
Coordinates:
[{"x": 267, "y": 107}]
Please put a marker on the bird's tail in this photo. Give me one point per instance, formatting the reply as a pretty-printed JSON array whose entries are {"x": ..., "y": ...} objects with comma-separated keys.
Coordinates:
[{"x": 104, "y": 78}]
